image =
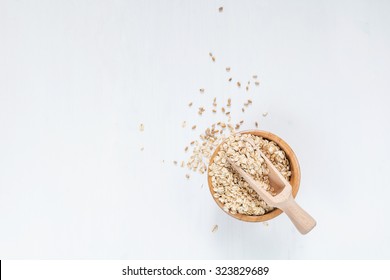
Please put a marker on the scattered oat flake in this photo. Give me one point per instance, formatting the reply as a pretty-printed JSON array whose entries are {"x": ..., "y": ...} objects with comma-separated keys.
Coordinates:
[
  {"x": 193, "y": 127},
  {"x": 201, "y": 90},
  {"x": 213, "y": 59},
  {"x": 188, "y": 176},
  {"x": 247, "y": 88},
  {"x": 190, "y": 104},
  {"x": 254, "y": 77},
  {"x": 229, "y": 102},
  {"x": 210, "y": 54},
  {"x": 182, "y": 164},
  {"x": 215, "y": 228},
  {"x": 257, "y": 83},
  {"x": 265, "y": 114},
  {"x": 186, "y": 149},
  {"x": 184, "y": 124},
  {"x": 230, "y": 79},
  {"x": 238, "y": 84},
  {"x": 192, "y": 143},
  {"x": 227, "y": 69},
  {"x": 175, "y": 162},
  {"x": 220, "y": 9},
  {"x": 141, "y": 127},
  {"x": 265, "y": 224},
  {"x": 223, "y": 110},
  {"x": 214, "y": 111},
  {"x": 256, "y": 124},
  {"x": 243, "y": 110}
]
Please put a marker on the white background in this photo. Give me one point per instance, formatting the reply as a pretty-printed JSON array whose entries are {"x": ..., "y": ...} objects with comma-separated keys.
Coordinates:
[
  {"x": 113, "y": 269},
  {"x": 78, "y": 77}
]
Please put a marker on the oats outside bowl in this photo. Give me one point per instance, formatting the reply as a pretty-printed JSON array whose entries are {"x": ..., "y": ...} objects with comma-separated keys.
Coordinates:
[{"x": 294, "y": 179}]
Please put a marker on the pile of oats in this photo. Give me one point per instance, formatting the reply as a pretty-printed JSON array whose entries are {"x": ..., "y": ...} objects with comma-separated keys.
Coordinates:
[
  {"x": 205, "y": 146},
  {"x": 230, "y": 188}
]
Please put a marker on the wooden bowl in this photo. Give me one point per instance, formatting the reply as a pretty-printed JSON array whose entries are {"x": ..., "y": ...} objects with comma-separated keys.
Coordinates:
[{"x": 294, "y": 179}]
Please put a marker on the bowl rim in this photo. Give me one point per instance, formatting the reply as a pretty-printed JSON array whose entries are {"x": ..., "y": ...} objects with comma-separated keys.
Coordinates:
[{"x": 294, "y": 179}]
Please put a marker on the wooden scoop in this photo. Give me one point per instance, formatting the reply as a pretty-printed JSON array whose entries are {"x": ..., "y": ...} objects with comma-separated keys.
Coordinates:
[{"x": 283, "y": 198}]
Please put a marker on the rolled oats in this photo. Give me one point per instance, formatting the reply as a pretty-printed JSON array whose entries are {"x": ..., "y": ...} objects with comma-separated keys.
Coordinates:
[
  {"x": 230, "y": 188},
  {"x": 229, "y": 102}
]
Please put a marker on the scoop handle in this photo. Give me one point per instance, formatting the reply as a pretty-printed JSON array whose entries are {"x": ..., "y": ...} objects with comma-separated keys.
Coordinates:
[{"x": 300, "y": 218}]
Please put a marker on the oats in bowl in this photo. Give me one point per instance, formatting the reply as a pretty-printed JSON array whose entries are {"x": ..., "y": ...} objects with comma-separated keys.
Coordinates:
[{"x": 229, "y": 188}]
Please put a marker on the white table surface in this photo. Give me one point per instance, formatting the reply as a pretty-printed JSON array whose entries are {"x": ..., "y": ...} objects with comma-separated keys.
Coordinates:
[{"x": 78, "y": 77}]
